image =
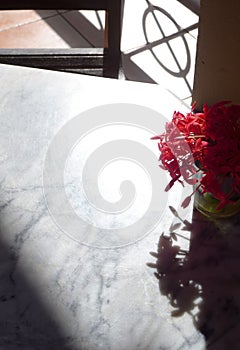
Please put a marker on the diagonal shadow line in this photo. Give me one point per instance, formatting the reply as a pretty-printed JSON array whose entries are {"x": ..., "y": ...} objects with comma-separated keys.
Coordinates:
[
  {"x": 88, "y": 34},
  {"x": 25, "y": 322},
  {"x": 133, "y": 72},
  {"x": 151, "y": 45},
  {"x": 193, "y": 5},
  {"x": 94, "y": 36},
  {"x": 99, "y": 20}
]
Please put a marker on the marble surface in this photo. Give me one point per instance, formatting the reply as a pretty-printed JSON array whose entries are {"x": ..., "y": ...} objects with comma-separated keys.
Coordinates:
[{"x": 94, "y": 254}]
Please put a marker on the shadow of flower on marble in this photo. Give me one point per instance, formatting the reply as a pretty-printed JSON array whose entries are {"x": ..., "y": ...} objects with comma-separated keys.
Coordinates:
[{"x": 204, "y": 280}]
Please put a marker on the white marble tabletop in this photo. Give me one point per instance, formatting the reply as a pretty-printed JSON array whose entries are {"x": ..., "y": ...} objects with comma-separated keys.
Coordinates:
[{"x": 82, "y": 205}]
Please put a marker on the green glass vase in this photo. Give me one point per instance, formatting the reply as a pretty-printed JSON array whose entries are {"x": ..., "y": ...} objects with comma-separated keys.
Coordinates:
[{"x": 206, "y": 204}]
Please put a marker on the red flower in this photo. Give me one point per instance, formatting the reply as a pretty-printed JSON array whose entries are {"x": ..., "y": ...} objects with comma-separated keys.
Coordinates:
[{"x": 209, "y": 141}]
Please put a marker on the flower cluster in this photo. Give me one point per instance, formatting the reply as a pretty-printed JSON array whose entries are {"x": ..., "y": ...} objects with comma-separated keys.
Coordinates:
[{"x": 206, "y": 142}]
